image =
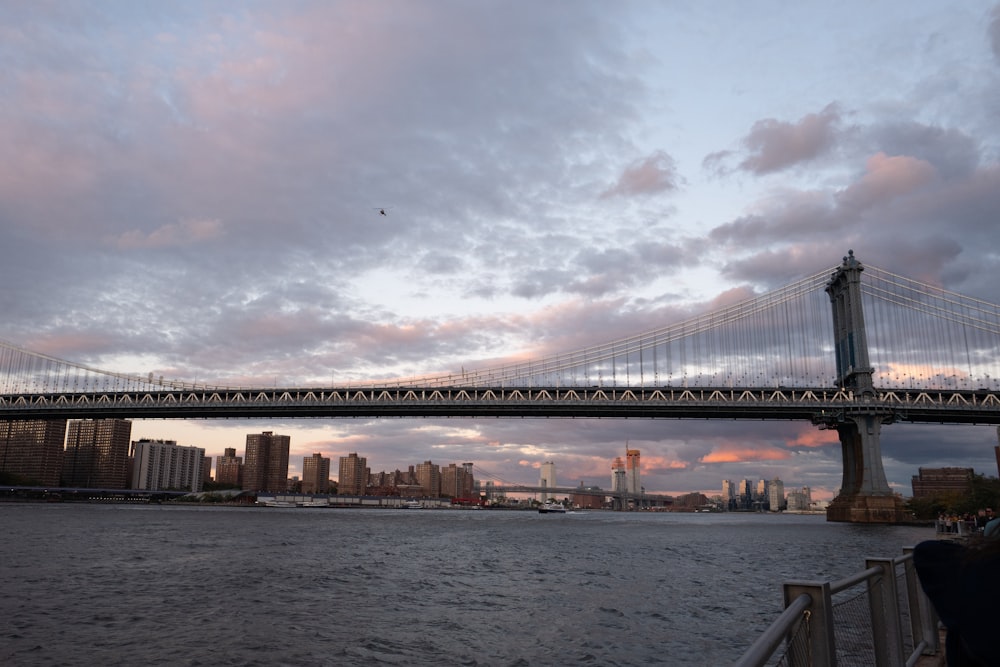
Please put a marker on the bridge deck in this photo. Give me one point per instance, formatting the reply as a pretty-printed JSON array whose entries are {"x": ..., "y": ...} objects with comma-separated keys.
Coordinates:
[{"x": 819, "y": 405}]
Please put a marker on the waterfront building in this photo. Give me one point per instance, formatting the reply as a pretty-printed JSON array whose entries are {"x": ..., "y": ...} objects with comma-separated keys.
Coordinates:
[
  {"x": 762, "y": 490},
  {"x": 159, "y": 465},
  {"x": 618, "y": 485},
  {"x": 728, "y": 494},
  {"x": 547, "y": 478},
  {"x": 352, "y": 479},
  {"x": 265, "y": 467},
  {"x": 315, "y": 474},
  {"x": 745, "y": 499},
  {"x": 938, "y": 481},
  {"x": 229, "y": 469},
  {"x": 32, "y": 451},
  {"x": 96, "y": 454},
  {"x": 456, "y": 481},
  {"x": 429, "y": 478},
  {"x": 632, "y": 481},
  {"x": 587, "y": 500},
  {"x": 776, "y": 495},
  {"x": 798, "y": 501},
  {"x": 469, "y": 483},
  {"x": 206, "y": 470}
]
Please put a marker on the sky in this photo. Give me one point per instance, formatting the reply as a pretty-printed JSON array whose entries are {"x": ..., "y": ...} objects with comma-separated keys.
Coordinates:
[{"x": 193, "y": 189}]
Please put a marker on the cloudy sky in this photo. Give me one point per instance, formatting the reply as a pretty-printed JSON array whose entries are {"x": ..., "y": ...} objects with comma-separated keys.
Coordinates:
[{"x": 192, "y": 189}]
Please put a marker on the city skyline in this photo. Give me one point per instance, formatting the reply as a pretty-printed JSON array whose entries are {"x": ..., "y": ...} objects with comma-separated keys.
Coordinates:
[{"x": 269, "y": 194}]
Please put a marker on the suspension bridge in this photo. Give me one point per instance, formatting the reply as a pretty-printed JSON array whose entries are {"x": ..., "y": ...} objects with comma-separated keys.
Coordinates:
[{"x": 901, "y": 351}]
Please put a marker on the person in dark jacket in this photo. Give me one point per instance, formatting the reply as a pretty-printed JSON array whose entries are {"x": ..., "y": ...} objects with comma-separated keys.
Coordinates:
[{"x": 963, "y": 583}]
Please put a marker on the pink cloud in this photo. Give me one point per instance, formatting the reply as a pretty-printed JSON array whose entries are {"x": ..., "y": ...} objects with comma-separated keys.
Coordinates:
[
  {"x": 743, "y": 454},
  {"x": 777, "y": 144},
  {"x": 887, "y": 178},
  {"x": 651, "y": 175},
  {"x": 185, "y": 232},
  {"x": 813, "y": 437}
]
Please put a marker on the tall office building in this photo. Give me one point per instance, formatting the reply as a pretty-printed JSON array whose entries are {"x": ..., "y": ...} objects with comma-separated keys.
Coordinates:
[
  {"x": 633, "y": 483},
  {"x": 163, "y": 464},
  {"x": 429, "y": 478},
  {"x": 618, "y": 476},
  {"x": 353, "y": 477},
  {"x": 744, "y": 500},
  {"x": 547, "y": 478},
  {"x": 96, "y": 455},
  {"x": 469, "y": 488},
  {"x": 31, "y": 452},
  {"x": 229, "y": 469},
  {"x": 776, "y": 495},
  {"x": 206, "y": 470},
  {"x": 265, "y": 467},
  {"x": 456, "y": 481},
  {"x": 315, "y": 474},
  {"x": 728, "y": 494}
]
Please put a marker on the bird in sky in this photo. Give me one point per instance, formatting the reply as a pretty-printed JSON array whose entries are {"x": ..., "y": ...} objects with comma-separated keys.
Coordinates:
[{"x": 382, "y": 211}]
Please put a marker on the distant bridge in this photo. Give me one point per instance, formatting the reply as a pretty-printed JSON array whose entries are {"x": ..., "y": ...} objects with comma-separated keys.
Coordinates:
[{"x": 901, "y": 351}]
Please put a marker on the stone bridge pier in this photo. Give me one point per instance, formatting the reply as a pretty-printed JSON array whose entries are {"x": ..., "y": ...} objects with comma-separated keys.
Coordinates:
[{"x": 865, "y": 496}]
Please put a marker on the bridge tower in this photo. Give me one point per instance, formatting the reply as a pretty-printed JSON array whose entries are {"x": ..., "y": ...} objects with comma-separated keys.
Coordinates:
[{"x": 865, "y": 496}]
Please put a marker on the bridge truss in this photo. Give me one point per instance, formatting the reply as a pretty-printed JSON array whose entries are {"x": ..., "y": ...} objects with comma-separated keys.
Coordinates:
[{"x": 935, "y": 353}]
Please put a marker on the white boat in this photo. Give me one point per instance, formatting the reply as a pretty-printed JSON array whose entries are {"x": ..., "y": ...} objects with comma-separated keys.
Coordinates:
[
  {"x": 551, "y": 508},
  {"x": 413, "y": 505},
  {"x": 276, "y": 503}
]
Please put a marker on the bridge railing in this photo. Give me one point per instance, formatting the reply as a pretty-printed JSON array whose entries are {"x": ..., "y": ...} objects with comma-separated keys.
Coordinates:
[{"x": 879, "y": 616}]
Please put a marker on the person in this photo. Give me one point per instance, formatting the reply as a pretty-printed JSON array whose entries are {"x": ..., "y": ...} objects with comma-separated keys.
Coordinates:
[
  {"x": 992, "y": 528},
  {"x": 962, "y": 581}
]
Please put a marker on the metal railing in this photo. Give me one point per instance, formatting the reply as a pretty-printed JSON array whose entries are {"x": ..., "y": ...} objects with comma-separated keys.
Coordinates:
[{"x": 879, "y": 616}]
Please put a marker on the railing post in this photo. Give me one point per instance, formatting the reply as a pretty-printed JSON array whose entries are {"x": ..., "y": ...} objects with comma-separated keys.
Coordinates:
[
  {"x": 883, "y": 601},
  {"x": 923, "y": 616},
  {"x": 821, "y": 645}
]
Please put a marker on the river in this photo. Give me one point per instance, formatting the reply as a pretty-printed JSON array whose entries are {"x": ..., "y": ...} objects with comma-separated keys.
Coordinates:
[{"x": 180, "y": 585}]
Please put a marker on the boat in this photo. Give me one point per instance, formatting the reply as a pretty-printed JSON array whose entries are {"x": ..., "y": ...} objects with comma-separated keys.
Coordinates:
[
  {"x": 413, "y": 505},
  {"x": 551, "y": 508}
]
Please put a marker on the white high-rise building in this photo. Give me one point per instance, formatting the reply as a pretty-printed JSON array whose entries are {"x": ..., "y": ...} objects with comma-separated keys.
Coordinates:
[
  {"x": 776, "y": 494},
  {"x": 548, "y": 478},
  {"x": 162, "y": 464},
  {"x": 618, "y": 476}
]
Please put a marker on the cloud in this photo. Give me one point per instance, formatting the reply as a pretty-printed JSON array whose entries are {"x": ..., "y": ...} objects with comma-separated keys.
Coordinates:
[
  {"x": 185, "y": 232},
  {"x": 742, "y": 454},
  {"x": 886, "y": 178},
  {"x": 775, "y": 145},
  {"x": 993, "y": 32},
  {"x": 651, "y": 175}
]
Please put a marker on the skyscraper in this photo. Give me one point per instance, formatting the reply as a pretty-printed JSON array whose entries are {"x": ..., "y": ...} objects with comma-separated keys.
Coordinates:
[
  {"x": 429, "y": 478},
  {"x": 206, "y": 470},
  {"x": 315, "y": 474},
  {"x": 728, "y": 494},
  {"x": 265, "y": 467},
  {"x": 162, "y": 464},
  {"x": 32, "y": 451},
  {"x": 456, "y": 480},
  {"x": 229, "y": 469},
  {"x": 776, "y": 495},
  {"x": 547, "y": 478},
  {"x": 618, "y": 484},
  {"x": 633, "y": 483},
  {"x": 96, "y": 455},
  {"x": 353, "y": 477}
]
